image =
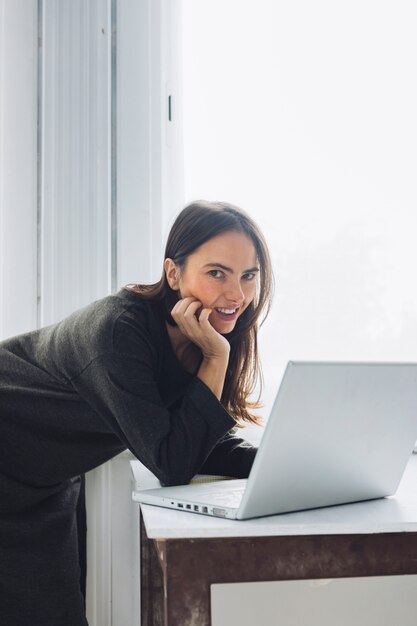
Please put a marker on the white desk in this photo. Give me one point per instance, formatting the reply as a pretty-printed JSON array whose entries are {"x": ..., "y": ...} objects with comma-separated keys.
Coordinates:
[
  {"x": 372, "y": 538},
  {"x": 394, "y": 514}
]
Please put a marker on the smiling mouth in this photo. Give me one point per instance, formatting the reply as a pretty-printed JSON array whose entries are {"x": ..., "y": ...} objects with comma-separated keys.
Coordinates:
[{"x": 227, "y": 314}]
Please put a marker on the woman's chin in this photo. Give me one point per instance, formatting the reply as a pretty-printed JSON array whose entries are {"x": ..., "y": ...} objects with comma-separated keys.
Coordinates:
[{"x": 223, "y": 328}]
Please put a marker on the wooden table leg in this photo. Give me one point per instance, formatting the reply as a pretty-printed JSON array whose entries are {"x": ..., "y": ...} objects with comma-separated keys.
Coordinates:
[{"x": 151, "y": 582}]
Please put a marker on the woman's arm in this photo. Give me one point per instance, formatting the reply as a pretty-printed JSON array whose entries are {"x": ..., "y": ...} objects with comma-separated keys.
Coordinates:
[
  {"x": 232, "y": 456},
  {"x": 174, "y": 443},
  {"x": 212, "y": 373}
]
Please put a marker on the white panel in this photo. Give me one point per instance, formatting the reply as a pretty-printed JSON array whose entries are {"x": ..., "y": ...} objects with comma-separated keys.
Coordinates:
[
  {"x": 99, "y": 517},
  {"x": 173, "y": 193},
  {"x": 18, "y": 173},
  {"x": 125, "y": 553},
  {"x": 149, "y": 146},
  {"x": 368, "y": 601},
  {"x": 76, "y": 156},
  {"x": 136, "y": 162}
]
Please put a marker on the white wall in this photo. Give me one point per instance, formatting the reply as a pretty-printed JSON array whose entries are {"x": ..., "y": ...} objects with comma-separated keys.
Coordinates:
[
  {"x": 75, "y": 151},
  {"x": 149, "y": 146},
  {"x": 18, "y": 166}
]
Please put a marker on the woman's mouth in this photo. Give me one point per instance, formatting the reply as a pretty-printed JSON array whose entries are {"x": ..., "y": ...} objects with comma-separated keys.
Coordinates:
[{"x": 226, "y": 314}]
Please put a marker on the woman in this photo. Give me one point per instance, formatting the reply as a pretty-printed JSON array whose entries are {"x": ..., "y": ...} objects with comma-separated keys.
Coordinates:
[{"x": 164, "y": 370}]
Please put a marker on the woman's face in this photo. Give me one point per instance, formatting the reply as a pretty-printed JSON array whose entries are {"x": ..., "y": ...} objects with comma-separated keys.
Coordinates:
[{"x": 223, "y": 274}]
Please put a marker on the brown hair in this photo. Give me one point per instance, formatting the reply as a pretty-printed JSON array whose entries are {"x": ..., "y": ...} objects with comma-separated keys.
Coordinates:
[{"x": 197, "y": 223}]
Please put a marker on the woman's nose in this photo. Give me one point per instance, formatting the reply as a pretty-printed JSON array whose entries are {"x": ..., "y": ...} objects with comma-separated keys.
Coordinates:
[{"x": 235, "y": 293}]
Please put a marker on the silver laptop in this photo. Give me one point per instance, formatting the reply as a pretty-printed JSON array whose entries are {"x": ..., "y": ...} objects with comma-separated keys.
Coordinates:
[{"x": 337, "y": 433}]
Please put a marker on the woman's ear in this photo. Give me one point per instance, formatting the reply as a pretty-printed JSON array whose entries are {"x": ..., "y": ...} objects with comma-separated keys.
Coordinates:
[{"x": 172, "y": 273}]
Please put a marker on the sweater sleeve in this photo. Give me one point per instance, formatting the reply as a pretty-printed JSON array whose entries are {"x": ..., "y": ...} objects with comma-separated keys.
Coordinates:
[
  {"x": 174, "y": 443},
  {"x": 232, "y": 456}
]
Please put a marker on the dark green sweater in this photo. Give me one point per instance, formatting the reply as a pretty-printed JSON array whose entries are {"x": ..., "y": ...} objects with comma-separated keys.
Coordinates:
[{"x": 75, "y": 394}]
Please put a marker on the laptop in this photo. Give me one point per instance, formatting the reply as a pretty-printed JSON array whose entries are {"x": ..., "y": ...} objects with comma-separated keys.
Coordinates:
[{"x": 337, "y": 433}]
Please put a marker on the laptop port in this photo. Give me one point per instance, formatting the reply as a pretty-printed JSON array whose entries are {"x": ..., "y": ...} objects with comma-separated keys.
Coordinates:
[
  {"x": 188, "y": 506},
  {"x": 196, "y": 508},
  {"x": 181, "y": 506},
  {"x": 219, "y": 512},
  {"x": 204, "y": 509}
]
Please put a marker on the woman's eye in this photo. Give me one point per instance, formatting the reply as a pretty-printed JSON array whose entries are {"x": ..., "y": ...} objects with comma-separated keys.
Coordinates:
[
  {"x": 216, "y": 273},
  {"x": 249, "y": 276}
]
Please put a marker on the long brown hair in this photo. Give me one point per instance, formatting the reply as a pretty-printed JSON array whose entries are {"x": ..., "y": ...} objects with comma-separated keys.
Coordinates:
[{"x": 197, "y": 223}]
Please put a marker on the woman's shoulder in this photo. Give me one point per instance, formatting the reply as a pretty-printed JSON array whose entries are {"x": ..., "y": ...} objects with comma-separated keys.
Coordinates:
[
  {"x": 120, "y": 323},
  {"x": 139, "y": 322},
  {"x": 106, "y": 321}
]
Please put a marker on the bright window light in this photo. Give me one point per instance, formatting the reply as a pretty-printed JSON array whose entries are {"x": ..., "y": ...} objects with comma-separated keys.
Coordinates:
[{"x": 303, "y": 113}]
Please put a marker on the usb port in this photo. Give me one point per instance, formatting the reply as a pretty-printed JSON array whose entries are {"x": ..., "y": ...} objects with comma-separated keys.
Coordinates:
[
  {"x": 196, "y": 508},
  {"x": 188, "y": 506}
]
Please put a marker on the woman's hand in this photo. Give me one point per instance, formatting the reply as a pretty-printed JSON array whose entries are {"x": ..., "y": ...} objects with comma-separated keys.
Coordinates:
[{"x": 192, "y": 320}]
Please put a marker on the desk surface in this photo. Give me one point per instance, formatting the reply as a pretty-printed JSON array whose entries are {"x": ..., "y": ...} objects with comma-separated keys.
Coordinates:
[{"x": 396, "y": 513}]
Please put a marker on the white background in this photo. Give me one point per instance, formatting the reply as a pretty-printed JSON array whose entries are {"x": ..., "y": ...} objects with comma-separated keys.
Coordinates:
[{"x": 304, "y": 114}]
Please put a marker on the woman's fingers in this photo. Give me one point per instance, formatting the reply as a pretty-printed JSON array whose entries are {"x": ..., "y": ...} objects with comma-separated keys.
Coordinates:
[
  {"x": 182, "y": 305},
  {"x": 188, "y": 314},
  {"x": 192, "y": 309},
  {"x": 204, "y": 315},
  {"x": 185, "y": 309}
]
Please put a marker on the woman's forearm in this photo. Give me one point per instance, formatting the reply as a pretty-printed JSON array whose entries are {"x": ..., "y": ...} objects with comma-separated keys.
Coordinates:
[{"x": 212, "y": 372}]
